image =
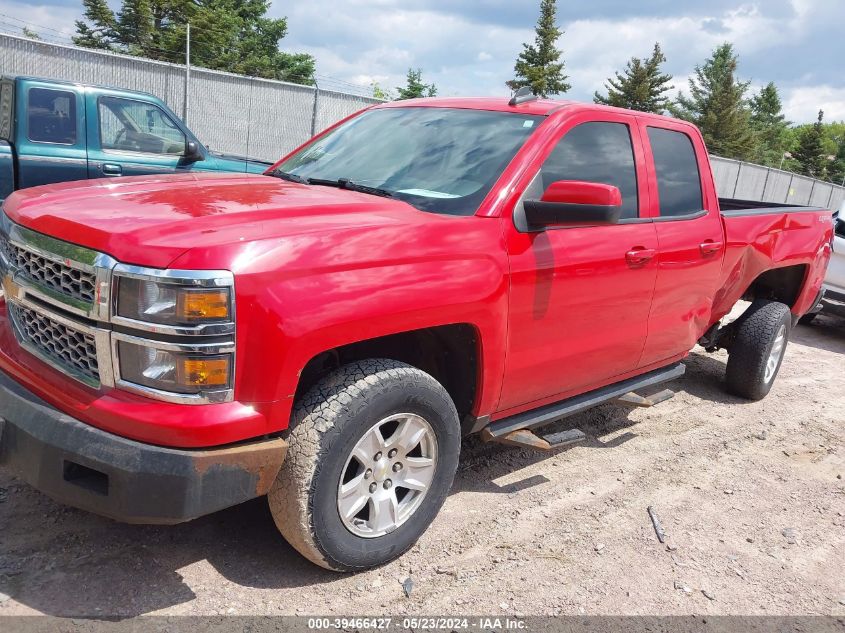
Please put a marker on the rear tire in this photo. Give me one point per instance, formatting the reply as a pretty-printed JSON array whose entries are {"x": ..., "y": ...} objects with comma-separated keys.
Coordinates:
[
  {"x": 757, "y": 351},
  {"x": 337, "y": 504}
]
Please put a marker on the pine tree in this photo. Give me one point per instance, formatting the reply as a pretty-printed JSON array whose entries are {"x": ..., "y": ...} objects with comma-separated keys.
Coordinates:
[
  {"x": 810, "y": 155},
  {"x": 415, "y": 88},
  {"x": 642, "y": 86},
  {"x": 539, "y": 65},
  {"x": 769, "y": 125},
  {"x": 135, "y": 26},
  {"x": 716, "y": 104},
  {"x": 27, "y": 32},
  {"x": 231, "y": 35},
  {"x": 104, "y": 29}
]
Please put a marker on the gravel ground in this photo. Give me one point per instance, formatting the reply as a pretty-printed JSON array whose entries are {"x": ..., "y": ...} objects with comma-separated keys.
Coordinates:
[{"x": 750, "y": 494}]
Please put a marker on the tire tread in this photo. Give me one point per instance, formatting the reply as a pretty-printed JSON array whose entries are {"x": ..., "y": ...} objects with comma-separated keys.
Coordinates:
[
  {"x": 749, "y": 351},
  {"x": 313, "y": 432}
]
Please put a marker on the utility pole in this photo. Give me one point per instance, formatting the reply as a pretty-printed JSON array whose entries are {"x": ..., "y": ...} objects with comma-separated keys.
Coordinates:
[{"x": 187, "y": 71}]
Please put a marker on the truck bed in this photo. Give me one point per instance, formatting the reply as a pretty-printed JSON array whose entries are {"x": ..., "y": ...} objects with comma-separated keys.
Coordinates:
[
  {"x": 774, "y": 244},
  {"x": 735, "y": 206}
]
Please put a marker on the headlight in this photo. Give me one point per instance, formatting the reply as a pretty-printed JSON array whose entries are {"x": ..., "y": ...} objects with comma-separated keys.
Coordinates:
[
  {"x": 166, "y": 303},
  {"x": 173, "y": 371},
  {"x": 174, "y": 336}
]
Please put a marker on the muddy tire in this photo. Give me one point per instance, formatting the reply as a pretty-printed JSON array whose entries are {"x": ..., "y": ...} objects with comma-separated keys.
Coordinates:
[
  {"x": 757, "y": 351},
  {"x": 373, "y": 453}
]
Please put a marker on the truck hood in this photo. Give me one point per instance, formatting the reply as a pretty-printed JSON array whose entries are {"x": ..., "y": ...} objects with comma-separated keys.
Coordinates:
[{"x": 152, "y": 220}]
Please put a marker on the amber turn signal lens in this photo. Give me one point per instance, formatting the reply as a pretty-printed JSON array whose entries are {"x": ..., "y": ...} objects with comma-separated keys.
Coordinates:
[
  {"x": 206, "y": 304},
  {"x": 204, "y": 372}
]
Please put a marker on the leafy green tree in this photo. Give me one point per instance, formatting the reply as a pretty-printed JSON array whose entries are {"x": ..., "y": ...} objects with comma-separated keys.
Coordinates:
[
  {"x": 415, "y": 88},
  {"x": 539, "y": 64},
  {"x": 641, "y": 87},
  {"x": 27, "y": 32},
  {"x": 716, "y": 104},
  {"x": 379, "y": 92},
  {"x": 769, "y": 126},
  {"x": 231, "y": 35},
  {"x": 836, "y": 169},
  {"x": 810, "y": 155}
]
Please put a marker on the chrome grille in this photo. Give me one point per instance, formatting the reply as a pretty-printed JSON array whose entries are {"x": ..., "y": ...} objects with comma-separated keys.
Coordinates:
[
  {"x": 6, "y": 248},
  {"x": 54, "y": 275},
  {"x": 69, "y": 347}
]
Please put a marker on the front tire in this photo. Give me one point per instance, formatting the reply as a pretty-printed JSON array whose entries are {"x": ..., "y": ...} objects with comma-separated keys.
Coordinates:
[
  {"x": 757, "y": 351},
  {"x": 373, "y": 453}
]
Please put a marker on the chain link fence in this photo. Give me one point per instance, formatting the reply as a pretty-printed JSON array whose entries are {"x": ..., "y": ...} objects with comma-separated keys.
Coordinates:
[
  {"x": 266, "y": 119},
  {"x": 230, "y": 113}
]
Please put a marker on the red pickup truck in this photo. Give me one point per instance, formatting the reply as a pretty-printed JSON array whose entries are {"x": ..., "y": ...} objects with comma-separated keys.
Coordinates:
[{"x": 325, "y": 333}]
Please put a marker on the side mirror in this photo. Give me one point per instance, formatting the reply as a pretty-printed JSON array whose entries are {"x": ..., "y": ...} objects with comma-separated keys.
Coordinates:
[
  {"x": 575, "y": 203},
  {"x": 192, "y": 152}
]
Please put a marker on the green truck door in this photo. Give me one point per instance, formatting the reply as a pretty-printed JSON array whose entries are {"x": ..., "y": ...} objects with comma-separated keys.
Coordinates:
[{"x": 132, "y": 137}]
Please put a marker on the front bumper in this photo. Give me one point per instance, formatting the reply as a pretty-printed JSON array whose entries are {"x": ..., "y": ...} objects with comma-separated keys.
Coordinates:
[{"x": 126, "y": 480}]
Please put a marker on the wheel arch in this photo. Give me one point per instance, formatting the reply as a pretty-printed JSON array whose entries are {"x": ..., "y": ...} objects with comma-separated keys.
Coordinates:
[
  {"x": 450, "y": 353},
  {"x": 783, "y": 284}
]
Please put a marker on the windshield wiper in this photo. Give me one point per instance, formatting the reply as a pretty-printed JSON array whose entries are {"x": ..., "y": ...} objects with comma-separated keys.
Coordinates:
[
  {"x": 345, "y": 183},
  {"x": 284, "y": 175}
]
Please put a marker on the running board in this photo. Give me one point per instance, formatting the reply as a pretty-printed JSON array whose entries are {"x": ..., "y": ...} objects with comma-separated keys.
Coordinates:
[
  {"x": 553, "y": 412},
  {"x": 632, "y": 399},
  {"x": 528, "y": 439}
]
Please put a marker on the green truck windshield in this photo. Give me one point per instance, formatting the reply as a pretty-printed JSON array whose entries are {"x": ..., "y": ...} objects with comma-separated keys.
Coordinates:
[{"x": 442, "y": 160}]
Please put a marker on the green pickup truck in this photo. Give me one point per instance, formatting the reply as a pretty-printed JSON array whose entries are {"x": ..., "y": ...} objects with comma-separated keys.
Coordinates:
[{"x": 53, "y": 131}]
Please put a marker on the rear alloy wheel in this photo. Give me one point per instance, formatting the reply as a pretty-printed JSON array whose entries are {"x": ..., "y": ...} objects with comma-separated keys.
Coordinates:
[
  {"x": 373, "y": 449},
  {"x": 757, "y": 351}
]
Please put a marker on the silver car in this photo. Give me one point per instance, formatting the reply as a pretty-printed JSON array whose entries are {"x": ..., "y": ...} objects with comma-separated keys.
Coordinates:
[{"x": 833, "y": 301}]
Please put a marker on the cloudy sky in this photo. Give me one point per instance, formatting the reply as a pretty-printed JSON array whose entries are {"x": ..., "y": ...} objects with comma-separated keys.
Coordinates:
[{"x": 468, "y": 47}]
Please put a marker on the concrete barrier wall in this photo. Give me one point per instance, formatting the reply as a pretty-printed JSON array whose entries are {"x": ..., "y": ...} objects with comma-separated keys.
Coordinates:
[{"x": 746, "y": 181}]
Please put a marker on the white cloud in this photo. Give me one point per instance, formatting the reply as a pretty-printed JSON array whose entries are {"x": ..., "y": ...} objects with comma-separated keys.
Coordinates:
[
  {"x": 54, "y": 23},
  {"x": 464, "y": 55},
  {"x": 802, "y": 103}
]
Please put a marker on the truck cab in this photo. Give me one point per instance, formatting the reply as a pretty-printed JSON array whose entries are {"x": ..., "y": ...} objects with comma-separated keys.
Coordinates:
[{"x": 53, "y": 131}]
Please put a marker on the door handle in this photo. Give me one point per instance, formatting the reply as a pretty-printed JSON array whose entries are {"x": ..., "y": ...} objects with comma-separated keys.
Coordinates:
[
  {"x": 111, "y": 169},
  {"x": 640, "y": 256},
  {"x": 710, "y": 247}
]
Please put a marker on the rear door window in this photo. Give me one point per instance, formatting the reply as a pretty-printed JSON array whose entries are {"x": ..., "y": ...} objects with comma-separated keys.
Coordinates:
[
  {"x": 51, "y": 116},
  {"x": 599, "y": 152},
  {"x": 678, "y": 177}
]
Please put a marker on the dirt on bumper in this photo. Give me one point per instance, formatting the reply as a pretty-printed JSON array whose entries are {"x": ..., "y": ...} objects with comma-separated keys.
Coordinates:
[{"x": 126, "y": 480}]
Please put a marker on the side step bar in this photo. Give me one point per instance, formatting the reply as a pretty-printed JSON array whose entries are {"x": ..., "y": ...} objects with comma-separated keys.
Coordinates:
[
  {"x": 620, "y": 391},
  {"x": 529, "y": 439}
]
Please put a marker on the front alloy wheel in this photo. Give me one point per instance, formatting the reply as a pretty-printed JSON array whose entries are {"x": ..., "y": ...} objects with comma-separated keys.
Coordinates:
[{"x": 387, "y": 475}]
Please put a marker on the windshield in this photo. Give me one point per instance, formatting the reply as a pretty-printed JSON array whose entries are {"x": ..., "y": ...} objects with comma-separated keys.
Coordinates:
[{"x": 442, "y": 160}]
